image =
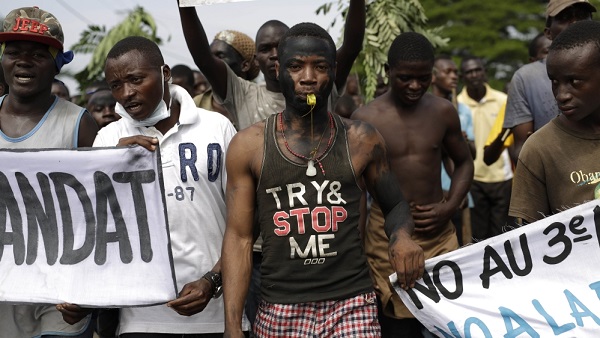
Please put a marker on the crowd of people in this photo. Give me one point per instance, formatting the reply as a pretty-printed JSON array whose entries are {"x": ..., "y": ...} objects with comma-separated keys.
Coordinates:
[{"x": 308, "y": 197}]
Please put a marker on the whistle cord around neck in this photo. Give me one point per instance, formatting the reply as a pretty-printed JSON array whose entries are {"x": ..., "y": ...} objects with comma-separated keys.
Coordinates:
[{"x": 313, "y": 156}]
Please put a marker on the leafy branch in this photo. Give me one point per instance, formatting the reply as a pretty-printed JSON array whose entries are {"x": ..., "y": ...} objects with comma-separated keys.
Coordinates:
[
  {"x": 385, "y": 20},
  {"x": 98, "y": 41}
]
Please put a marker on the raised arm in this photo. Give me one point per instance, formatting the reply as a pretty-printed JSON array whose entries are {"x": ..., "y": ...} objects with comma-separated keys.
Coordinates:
[
  {"x": 354, "y": 33},
  {"x": 236, "y": 255},
  {"x": 213, "y": 68},
  {"x": 406, "y": 256}
]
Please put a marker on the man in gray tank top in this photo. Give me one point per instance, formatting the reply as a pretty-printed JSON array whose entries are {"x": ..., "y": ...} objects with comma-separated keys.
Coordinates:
[{"x": 31, "y": 117}]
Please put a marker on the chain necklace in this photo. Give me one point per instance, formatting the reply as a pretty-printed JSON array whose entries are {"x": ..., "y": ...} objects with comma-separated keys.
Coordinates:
[{"x": 313, "y": 156}]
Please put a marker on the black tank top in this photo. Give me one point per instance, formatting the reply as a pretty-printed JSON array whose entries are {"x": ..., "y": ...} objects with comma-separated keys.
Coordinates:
[{"x": 312, "y": 249}]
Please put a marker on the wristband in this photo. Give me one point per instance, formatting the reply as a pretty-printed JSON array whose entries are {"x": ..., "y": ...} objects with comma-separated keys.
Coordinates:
[{"x": 217, "y": 284}]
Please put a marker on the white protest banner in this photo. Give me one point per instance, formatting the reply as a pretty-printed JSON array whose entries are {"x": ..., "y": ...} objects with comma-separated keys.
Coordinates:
[
  {"x": 191, "y": 3},
  {"x": 540, "y": 280},
  {"x": 84, "y": 226}
]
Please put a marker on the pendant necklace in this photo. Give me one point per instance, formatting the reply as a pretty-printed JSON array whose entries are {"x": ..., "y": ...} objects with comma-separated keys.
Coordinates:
[
  {"x": 311, "y": 170},
  {"x": 313, "y": 157}
]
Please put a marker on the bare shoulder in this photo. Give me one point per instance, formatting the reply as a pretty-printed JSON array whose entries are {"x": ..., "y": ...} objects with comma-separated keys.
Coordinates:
[
  {"x": 437, "y": 105},
  {"x": 373, "y": 110},
  {"x": 431, "y": 109},
  {"x": 255, "y": 130},
  {"x": 246, "y": 147},
  {"x": 250, "y": 138},
  {"x": 364, "y": 142},
  {"x": 360, "y": 130},
  {"x": 363, "y": 139}
]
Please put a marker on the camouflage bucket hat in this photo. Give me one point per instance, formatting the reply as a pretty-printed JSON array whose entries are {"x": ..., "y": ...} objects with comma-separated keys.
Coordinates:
[
  {"x": 244, "y": 45},
  {"x": 32, "y": 24}
]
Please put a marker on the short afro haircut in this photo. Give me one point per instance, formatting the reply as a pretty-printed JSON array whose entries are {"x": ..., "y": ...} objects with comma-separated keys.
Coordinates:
[
  {"x": 410, "y": 46},
  {"x": 470, "y": 58},
  {"x": 307, "y": 29},
  {"x": 441, "y": 57},
  {"x": 444, "y": 57},
  {"x": 185, "y": 72},
  {"x": 578, "y": 34},
  {"x": 271, "y": 23},
  {"x": 148, "y": 48},
  {"x": 534, "y": 45}
]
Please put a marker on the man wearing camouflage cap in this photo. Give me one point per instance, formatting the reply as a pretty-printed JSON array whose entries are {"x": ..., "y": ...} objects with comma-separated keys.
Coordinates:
[
  {"x": 237, "y": 50},
  {"x": 31, "y": 52},
  {"x": 240, "y": 44}
]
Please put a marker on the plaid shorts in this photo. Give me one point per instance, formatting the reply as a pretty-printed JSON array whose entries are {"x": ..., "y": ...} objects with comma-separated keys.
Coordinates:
[{"x": 351, "y": 317}]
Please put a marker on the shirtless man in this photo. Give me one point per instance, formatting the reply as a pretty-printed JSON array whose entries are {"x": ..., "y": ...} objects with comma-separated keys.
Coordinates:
[
  {"x": 415, "y": 125},
  {"x": 306, "y": 161}
]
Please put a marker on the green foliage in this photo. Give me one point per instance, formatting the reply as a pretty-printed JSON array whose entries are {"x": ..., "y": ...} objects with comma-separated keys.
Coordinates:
[
  {"x": 496, "y": 31},
  {"x": 386, "y": 19},
  {"x": 98, "y": 41}
]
